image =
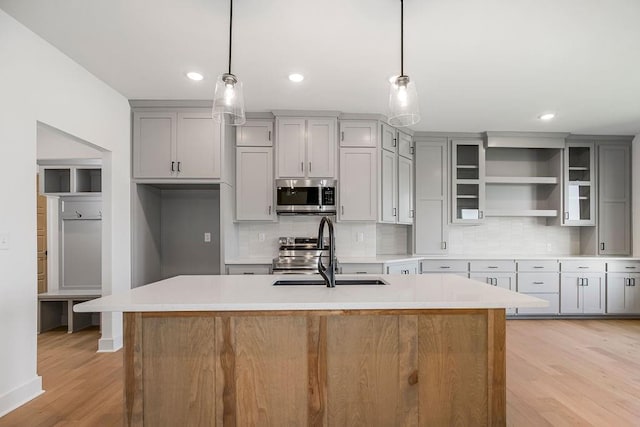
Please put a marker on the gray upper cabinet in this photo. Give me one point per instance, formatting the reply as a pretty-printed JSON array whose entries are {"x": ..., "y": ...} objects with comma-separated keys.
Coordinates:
[
  {"x": 579, "y": 181},
  {"x": 405, "y": 191},
  {"x": 306, "y": 148},
  {"x": 389, "y": 138},
  {"x": 358, "y": 133},
  {"x": 405, "y": 145},
  {"x": 468, "y": 181},
  {"x": 388, "y": 187},
  {"x": 614, "y": 199},
  {"x": 431, "y": 189},
  {"x": 255, "y": 133},
  {"x": 176, "y": 145},
  {"x": 254, "y": 184},
  {"x": 357, "y": 189}
]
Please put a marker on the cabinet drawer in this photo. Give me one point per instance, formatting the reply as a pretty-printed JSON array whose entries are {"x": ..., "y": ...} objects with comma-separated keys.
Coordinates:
[
  {"x": 554, "y": 305},
  {"x": 361, "y": 268},
  {"x": 623, "y": 267},
  {"x": 542, "y": 265},
  {"x": 491, "y": 265},
  {"x": 535, "y": 282},
  {"x": 581, "y": 266},
  {"x": 249, "y": 269},
  {"x": 444, "y": 266},
  {"x": 408, "y": 267}
]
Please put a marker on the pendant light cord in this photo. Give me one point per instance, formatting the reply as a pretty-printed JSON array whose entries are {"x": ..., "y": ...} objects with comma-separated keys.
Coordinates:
[
  {"x": 401, "y": 37},
  {"x": 230, "y": 28}
]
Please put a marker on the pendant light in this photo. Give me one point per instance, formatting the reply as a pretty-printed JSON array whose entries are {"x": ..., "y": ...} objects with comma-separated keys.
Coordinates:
[
  {"x": 228, "y": 99},
  {"x": 403, "y": 97}
]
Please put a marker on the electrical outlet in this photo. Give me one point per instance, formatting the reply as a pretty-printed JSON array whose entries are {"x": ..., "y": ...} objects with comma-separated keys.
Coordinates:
[
  {"x": 4, "y": 241},
  {"x": 260, "y": 237},
  {"x": 207, "y": 237}
]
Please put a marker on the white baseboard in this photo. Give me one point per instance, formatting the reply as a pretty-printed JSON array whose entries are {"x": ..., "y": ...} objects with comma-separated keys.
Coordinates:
[
  {"x": 109, "y": 345},
  {"x": 21, "y": 395}
]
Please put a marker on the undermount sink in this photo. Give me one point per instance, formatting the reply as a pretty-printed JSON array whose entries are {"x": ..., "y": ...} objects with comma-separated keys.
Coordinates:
[{"x": 297, "y": 282}]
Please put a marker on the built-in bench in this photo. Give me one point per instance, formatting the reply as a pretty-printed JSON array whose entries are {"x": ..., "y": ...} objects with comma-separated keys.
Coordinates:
[{"x": 52, "y": 307}]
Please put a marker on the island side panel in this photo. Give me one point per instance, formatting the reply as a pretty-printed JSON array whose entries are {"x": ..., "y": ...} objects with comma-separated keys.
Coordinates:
[
  {"x": 133, "y": 384},
  {"x": 365, "y": 380},
  {"x": 317, "y": 370},
  {"x": 497, "y": 368},
  {"x": 453, "y": 368},
  {"x": 271, "y": 370}
]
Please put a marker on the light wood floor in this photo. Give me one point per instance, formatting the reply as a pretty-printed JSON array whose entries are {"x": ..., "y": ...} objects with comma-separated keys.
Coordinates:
[{"x": 559, "y": 372}]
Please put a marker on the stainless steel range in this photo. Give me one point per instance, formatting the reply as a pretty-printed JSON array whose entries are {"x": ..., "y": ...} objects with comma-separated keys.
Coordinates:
[{"x": 299, "y": 255}]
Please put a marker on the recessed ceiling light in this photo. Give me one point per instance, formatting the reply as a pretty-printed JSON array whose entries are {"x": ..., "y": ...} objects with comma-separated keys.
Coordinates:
[
  {"x": 195, "y": 76},
  {"x": 546, "y": 116},
  {"x": 295, "y": 77}
]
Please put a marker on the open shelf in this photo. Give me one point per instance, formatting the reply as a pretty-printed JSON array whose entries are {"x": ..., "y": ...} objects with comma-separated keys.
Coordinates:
[
  {"x": 549, "y": 213},
  {"x": 543, "y": 180}
]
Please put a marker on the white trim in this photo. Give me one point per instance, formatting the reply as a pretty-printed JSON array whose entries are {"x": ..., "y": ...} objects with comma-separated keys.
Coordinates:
[
  {"x": 109, "y": 345},
  {"x": 21, "y": 395}
]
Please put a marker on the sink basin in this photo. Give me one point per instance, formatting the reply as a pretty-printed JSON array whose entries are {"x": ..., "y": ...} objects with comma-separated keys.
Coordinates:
[{"x": 297, "y": 282}]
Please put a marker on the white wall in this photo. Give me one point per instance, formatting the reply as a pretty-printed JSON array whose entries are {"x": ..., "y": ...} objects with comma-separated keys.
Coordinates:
[
  {"x": 38, "y": 83},
  {"x": 53, "y": 144}
]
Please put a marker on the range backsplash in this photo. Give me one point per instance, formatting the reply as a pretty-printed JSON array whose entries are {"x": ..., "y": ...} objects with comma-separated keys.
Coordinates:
[{"x": 497, "y": 236}]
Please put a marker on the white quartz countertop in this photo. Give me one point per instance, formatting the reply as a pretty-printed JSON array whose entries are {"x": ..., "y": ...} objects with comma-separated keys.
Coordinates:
[{"x": 255, "y": 293}]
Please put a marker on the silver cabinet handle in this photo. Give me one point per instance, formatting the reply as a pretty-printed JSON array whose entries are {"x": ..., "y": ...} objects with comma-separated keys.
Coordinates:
[
  {"x": 538, "y": 266},
  {"x": 580, "y": 281},
  {"x": 301, "y": 166},
  {"x": 445, "y": 266},
  {"x": 178, "y": 166},
  {"x": 411, "y": 213},
  {"x": 443, "y": 245},
  {"x": 566, "y": 215},
  {"x": 342, "y": 210},
  {"x": 602, "y": 246},
  {"x": 269, "y": 209},
  {"x": 246, "y": 273},
  {"x": 538, "y": 283},
  {"x": 309, "y": 166},
  {"x": 582, "y": 267},
  {"x": 480, "y": 214},
  {"x": 269, "y": 135},
  {"x": 395, "y": 140},
  {"x": 342, "y": 136},
  {"x": 78, "y": 214},
  {"x": 630, "y": 267},
  {"x": 492, "y": 266},
  {"x": 411, "y": 150},
  {"x": 172, "y": 166},
  {"x": 586, "y": 281},
  {"x": 387, "y": 270},
  {"x": 395, "y": 211},
  {"x": 633, "y": 281},
  {"x": 627, "y": 281}
]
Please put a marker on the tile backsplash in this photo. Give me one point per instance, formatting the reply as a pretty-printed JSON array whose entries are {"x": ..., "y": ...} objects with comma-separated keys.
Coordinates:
[
  {"x": 509, "y": 235},
  {"x": 497, "y": 236}
]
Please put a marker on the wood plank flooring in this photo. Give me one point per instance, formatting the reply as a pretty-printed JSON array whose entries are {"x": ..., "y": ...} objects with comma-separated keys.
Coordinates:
[{"x": 559, "y": 373}]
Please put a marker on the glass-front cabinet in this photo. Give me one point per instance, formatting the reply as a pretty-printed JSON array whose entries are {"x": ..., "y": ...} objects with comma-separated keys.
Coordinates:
[
  {"x": 579, "y": 201},
  {"x": 467, "y": 187}
]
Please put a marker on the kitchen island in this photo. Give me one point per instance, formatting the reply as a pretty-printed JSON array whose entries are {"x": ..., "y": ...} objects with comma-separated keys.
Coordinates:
[{"x": 235, "y": 350}]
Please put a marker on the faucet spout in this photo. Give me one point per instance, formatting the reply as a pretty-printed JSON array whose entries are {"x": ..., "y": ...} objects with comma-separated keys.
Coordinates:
[{"x": 327, "y": 272}]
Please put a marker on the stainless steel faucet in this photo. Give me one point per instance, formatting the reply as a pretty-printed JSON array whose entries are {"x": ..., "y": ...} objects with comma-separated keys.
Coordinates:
[{"x": 327, "y": 272}]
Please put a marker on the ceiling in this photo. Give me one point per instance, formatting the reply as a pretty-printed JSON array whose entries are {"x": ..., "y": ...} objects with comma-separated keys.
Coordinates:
[{"x": 478, "y": 65}]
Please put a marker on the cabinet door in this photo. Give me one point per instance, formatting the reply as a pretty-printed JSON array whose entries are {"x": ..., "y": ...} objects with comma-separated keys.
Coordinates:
[
  {"x": 570, "y": 293},
  {"x": 405, "y": 191},
  {"x": 579, "y": 194},
  {"x": 467, "y": 189},
  {"x": 593, "y": 294},
  {"x": 389, "y": 205},
  {"x": 291, "y": 148},
  {"x": 255, "y": 133},
  {"x": 389, "y": 138},
  {"x": 614, "y": 199},
  {"x": 198, "y": 146},
  {"x": 154, "y": 142},
  {"x": 405, "y": 145},
  {"x": 358, "y": 133},
  {"x": 431, "y": 218},
  {"x": 358, "y": 184},
  {"x": 321, "y": 148},
  {"x": 619, "y": 298},
  {"x": 254, "y": 184},
  {"x": 501, "y": 280}
]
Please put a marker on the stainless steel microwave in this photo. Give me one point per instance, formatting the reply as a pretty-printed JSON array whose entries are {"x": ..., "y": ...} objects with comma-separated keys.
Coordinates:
[{"x": 305, "y": 196}]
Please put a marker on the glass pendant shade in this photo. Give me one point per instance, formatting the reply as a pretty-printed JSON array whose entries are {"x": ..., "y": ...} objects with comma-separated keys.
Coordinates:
[
  {"x": 228, "y": 100},
  {"x": 403, "y": 103}
]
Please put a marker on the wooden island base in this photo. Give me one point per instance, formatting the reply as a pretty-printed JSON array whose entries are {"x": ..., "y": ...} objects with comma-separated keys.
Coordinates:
[{"x": 316, "y": 368}]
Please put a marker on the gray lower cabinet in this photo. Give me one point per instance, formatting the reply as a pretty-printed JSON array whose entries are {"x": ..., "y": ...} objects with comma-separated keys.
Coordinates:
[
  {"x": 614, "y": 199},
  {"x": 405, "y": 267},
  {"x": 540, "y": 279},
  {"x": 431, "y": 187},
  {"x": 623, "y": 293},
  {"x": 582, "y": 293},
  {"x": 248, "y": 269},
  {"x": 360, "y": 268},
  {"x": 445, "y": 266}
]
